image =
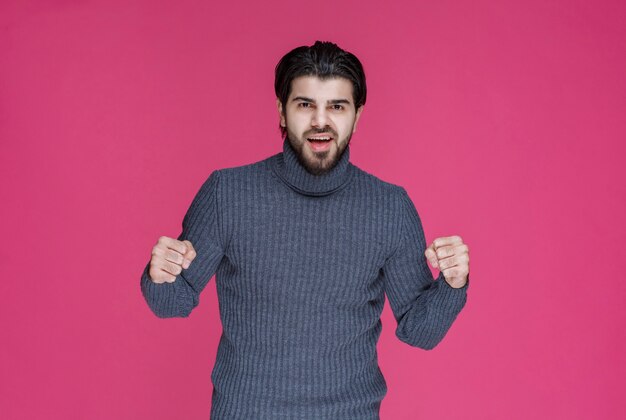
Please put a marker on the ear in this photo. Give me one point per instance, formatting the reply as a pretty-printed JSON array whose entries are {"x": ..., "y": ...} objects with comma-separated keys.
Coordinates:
[
  {"x": 279, "y": 106},
  {"x": 356, "y": 119}
]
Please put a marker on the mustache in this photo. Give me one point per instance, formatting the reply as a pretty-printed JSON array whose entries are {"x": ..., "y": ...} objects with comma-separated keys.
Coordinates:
[{"x": 320, "y": 131}]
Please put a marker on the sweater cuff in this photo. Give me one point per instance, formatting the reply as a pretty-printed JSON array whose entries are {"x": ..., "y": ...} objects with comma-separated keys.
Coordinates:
[
  {"x": 165, "y": 299},
  {"x": 464, "y": 288}
]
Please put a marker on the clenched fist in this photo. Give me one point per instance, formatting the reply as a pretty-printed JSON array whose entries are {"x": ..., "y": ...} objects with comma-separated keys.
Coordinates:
[
  {"x": 450, "y": 256},
  {"x": 169, "y": 257}
]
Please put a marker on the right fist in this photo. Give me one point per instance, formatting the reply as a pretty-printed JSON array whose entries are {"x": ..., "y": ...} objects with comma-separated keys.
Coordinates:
[{"x": 169, "y": 257}]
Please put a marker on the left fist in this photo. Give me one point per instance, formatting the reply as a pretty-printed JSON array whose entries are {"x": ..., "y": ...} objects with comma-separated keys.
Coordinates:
[{"x": 451, "y": 256}]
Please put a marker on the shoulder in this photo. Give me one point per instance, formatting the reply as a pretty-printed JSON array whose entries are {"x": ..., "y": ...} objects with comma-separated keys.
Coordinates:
[
  {"x": 393, "y": 197},
  {"x": 377, "y": 185},
  {"x": 243, "y": 173},
  {"x": 245, "y": 169}
]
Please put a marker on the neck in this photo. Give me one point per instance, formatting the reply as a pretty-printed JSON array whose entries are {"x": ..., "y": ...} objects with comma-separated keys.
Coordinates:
[{"x": 287, "y": 166}]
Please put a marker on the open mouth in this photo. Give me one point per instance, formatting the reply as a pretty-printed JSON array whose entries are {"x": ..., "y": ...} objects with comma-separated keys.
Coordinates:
[
  {"x": 320, "y": 143},
  {"x": 319, "y": 138}
]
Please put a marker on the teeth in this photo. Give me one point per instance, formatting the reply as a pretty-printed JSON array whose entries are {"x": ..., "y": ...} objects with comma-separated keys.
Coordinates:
[{"x": 320, "y": 138}]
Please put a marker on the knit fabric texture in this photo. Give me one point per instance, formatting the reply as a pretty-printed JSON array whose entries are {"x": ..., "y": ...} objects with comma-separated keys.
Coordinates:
[{"x": 302, "y": 266}]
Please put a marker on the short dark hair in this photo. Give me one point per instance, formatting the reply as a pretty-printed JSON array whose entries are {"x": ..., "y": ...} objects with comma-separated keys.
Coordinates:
[{"x": 324, "y": 60}]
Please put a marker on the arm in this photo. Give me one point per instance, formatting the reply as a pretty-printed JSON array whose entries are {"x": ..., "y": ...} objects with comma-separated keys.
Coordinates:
[
  {"x": 423, "y": 308},
  {"x": 201, "y": 228}
]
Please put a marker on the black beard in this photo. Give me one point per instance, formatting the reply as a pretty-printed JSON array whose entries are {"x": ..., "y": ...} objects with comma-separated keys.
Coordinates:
[{"x": 318, "y": 169}]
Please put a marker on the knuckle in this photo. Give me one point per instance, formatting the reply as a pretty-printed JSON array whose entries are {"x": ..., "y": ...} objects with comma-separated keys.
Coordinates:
[{"x": 174, "y": 257}]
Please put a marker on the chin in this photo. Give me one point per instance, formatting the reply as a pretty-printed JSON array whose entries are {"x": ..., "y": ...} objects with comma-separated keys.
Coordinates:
[{"x": 321, "y": 166}]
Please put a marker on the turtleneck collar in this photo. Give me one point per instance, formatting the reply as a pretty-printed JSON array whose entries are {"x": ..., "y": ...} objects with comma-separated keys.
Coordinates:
[{"x": 287, "y": 166}]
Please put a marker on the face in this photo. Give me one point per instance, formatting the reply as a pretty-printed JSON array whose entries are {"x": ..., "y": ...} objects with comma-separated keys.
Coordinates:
[{"x": 319, "y": 109}]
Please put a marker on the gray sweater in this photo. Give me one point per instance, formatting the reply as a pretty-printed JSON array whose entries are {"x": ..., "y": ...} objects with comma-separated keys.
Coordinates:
[{"x": 303, "y": 264}]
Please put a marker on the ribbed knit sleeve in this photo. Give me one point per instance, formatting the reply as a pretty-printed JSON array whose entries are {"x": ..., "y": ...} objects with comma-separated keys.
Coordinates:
[
  {"x": 201, "y": 227},
  {"x": 423, "y": 308}
]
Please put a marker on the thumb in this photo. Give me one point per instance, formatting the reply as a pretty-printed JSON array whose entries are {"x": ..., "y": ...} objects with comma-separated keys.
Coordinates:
[{"x": 431, "y": 255}]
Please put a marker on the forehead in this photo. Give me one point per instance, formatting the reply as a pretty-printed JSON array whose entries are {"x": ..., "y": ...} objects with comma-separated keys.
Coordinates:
[{"x": 321, "y": 90}]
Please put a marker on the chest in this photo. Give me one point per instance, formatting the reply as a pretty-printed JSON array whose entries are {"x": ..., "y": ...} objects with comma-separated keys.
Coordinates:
[{"x": 306, "y": 245}]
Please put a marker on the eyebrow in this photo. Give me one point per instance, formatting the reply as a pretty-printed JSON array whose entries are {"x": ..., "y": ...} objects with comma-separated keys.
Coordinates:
[{"x": 331, "y": 102}]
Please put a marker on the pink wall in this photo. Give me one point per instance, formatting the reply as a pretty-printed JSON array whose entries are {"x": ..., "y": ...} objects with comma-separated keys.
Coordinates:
[{"x": 504, "y": 120}]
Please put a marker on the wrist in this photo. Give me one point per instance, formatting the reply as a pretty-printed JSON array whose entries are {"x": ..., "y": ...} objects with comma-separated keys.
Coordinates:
[{"x": 457, "y": 283}]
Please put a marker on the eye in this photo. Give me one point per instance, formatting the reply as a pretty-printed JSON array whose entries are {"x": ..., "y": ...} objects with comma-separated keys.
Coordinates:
[
  {"x": 304, "y": 105},
  {"x": 337, "y": 107}
]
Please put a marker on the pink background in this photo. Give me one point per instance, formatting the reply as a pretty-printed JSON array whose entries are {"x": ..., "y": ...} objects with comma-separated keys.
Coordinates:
[{"x": 505, "y": 121}]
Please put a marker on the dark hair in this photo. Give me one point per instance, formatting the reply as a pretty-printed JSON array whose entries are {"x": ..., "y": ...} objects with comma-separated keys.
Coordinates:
[{"x": 324, "y": 60}]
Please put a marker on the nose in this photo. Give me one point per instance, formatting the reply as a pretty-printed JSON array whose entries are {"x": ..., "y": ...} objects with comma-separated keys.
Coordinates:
[{"x": 319, "y": 118}]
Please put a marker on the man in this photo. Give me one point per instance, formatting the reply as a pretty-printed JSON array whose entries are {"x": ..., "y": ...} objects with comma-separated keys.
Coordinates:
[{"x": 305, "y": 246}]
